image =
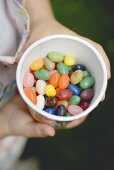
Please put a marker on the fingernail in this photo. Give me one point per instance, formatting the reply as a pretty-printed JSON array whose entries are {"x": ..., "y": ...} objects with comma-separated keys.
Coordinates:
[
  {"x": 109, "y": 74},
  {"x": 52, "y": 133},
  {"x": 103, "y": 97}
]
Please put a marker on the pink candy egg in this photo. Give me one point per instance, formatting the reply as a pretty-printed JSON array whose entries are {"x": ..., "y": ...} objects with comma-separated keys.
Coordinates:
[
  {"x": 53, "y": 71},
  {"x": 74, "y": 109},
  {"x": 28, "y": 80}
]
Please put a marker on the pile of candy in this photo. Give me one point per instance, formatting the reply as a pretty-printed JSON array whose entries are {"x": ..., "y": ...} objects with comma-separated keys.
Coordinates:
[{"x": 58, "y": 85}]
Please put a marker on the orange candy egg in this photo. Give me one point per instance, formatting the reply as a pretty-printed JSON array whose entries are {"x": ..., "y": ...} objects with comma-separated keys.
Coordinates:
[
  {"x": 62, "y": 102},
  {"x": 31, "y": 95},
  {"x": 54, "y": 79},
  {"x": 64, "y": 81}
]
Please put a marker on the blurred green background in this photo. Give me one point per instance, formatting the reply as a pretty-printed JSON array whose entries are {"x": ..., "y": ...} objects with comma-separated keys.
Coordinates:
[{"x": 91, "y": 145}]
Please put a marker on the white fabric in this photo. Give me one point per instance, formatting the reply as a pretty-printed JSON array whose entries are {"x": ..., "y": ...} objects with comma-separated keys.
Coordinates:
[
  {"x": 14, "y": 30},
  {"x": 8, "y": 34}
]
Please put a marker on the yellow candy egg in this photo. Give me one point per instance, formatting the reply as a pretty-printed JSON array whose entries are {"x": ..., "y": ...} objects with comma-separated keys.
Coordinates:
[
  {"x": 69, "y": 60},
  {"x": 50, "y": 90},
  {"x": 37, "y": 64}
]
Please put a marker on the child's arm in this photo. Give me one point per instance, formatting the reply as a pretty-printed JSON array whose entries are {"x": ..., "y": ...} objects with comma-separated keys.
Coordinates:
[{"x": 39, "y": 10}]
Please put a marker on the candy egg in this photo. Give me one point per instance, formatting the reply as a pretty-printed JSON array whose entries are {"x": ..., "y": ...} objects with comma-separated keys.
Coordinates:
[
  {"x": 86, "y": 73},
  {"x": 55, "y": 56},
  {"x": 75, "y": 89},
  {"x": 49, "y": 65},
  {"x": 50, "y": 90},
  {"x": 74, "y": 100},
  {"x": 51, "y": 110},
  {"x": 31, "y": 95},
  {"x": 69, "y": 60},
  {"x": 87, "y": 94},
  {"x": 78, "y": 67},
  {"x": 42, "y": 74},
  {"x": 51, "y": 101},
  {"x": 37, "y": 64},
  {"x": 84, "y": 104},
  {"x": 76, "y": 77},
  {"x": 74, "y": 109},
  {"x": 64, "y": 81},
  {"x": 40, "y": 102},
  {"x": 87, "y": 82},
  {"x": 61, "y": 110},
  {"x": 52, "y": 72},
  {"x": 62, "y": 68},
  {"x": 54, "y": 79},
  {"x": 62, "y": 102},
  {"x": 28, "y": 80},
  {"x": 40, "y": 86},
  {"x": 70, "y": 68},
  {"x": 64, "y": 94}
]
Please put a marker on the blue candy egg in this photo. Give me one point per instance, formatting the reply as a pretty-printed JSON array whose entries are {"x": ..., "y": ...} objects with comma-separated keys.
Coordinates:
[
  {"x": 75, "y": 89},
  {"x": 78, "y": 67},
  {"x": 61, "y": 110},
  {"x": 50, "y": 110}
]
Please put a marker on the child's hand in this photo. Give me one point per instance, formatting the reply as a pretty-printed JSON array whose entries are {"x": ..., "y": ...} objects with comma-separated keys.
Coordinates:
[
  {"x": 16, "y": 120},
  {"x": 50, "y": 27}
]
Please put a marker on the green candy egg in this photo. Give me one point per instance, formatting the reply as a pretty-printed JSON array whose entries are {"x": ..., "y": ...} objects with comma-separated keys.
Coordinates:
[
  {"x": 42, "y": 74},
  {"x": 62, "y": 68},
  {"x": 86, "y": 73},
  {"x": 74, "y": 100},
  {"x": 70, "y": 68},
  {"x": 87, "y": 82},
  {"x": 55, "y": 56}
]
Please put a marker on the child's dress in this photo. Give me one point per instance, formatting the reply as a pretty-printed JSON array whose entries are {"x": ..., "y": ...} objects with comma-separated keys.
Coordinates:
[{"x": 14, "y": 30}]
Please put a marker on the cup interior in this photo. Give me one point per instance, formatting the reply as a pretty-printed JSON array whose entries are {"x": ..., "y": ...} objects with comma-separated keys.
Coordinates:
[{"x": 85, "y": 54}]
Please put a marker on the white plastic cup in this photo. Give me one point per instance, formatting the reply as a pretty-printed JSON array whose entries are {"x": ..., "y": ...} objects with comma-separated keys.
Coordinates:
[{"x": 85, "y": 54}]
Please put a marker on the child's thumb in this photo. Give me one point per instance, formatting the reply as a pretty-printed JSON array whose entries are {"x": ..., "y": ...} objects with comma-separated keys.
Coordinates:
[{"x": 38, "y": 130}]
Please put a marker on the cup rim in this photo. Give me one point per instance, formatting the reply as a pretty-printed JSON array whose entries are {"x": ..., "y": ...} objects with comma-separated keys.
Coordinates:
[{"x": 42, "y": 112}]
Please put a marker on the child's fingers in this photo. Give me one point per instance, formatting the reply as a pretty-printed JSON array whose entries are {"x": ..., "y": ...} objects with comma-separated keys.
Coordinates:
[
  {"x": 44, "y": 120},
  {"x": 76, "y": 123},
  {"x": 103, "y": 98},
  {"x": 37, "y": 130},
  {"x": 105, "y": 58},
  {"x": 103, "y": 54}
]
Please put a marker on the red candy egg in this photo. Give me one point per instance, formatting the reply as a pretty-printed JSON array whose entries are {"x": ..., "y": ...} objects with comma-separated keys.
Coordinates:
[
  {"x": 84, "y": 105},
  {"x": 64, "y": 94}
]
